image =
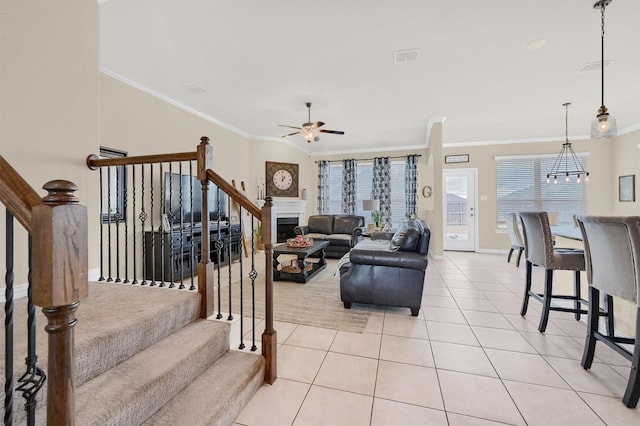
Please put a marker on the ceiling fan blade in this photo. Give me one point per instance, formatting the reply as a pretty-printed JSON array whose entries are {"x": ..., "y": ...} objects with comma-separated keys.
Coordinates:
[
  {"x": 317, "y": 124},
  {"x": 335, "y": 132},
  {"x": 291, "y": 127},
  {"x": 290, "y": 134}
]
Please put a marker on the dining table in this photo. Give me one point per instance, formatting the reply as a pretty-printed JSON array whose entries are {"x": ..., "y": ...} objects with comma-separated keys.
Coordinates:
[{"x": 570, "y": 232}]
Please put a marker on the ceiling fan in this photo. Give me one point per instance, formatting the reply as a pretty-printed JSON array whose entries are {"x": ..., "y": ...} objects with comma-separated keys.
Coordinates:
[{"x": 310, "y": 130}]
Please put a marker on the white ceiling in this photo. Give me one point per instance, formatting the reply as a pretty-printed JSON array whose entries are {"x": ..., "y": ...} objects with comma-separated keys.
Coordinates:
[{"x": 258, "y": 62}]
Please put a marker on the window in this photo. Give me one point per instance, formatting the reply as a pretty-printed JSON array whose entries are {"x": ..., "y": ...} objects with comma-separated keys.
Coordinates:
[
  {"x": 522, "y": 186},
  {"x": 364, "y": 186}
]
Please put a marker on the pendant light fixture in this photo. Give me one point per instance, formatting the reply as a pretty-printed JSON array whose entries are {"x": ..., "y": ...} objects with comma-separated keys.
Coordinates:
[
  {"x": 567, "y": 164},
  {"x": 604, "y": 125}
]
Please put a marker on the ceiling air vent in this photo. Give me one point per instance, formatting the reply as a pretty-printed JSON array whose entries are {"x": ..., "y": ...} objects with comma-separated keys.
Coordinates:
[
  {"x": 592, "y": 66},
  {"x": 194, "y": 89},
  {"x": 410, "y": 55}
]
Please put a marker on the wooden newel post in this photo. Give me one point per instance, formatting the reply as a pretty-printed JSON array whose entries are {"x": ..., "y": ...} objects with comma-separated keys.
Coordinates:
[
  {"x": 205, "y": 267},
  {"x": 269, "y": 337},
  {"x": 60, "y": 268}
]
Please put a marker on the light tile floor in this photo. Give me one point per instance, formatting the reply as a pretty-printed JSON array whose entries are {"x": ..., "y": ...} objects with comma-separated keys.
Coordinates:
[{"x": 469, "y": 358}]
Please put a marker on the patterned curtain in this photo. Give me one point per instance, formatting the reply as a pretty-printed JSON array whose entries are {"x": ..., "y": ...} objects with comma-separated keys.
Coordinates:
[
  {"x": 382, "y": 187},
  {"x": 411, "y": 185},
  {"x": 349, "y": 194},
  {"x": 323, "y": 187}
]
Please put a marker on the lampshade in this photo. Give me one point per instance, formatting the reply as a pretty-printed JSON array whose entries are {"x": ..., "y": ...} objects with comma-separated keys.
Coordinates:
[{"x": 370, "y": 205}]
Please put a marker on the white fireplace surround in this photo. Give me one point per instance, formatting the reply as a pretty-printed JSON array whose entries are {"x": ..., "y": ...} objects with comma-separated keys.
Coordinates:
[{"x": 289, "y": 207}]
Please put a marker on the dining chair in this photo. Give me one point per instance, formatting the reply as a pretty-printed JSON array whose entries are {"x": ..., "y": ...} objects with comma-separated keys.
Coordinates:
[
  {"x": 612, "y": 255},
  {"x": 517, "y": 242},
  {"x": 539, "y": 251}
]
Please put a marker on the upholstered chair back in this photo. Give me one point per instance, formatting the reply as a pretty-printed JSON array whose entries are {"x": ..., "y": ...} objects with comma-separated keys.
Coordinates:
[
  {"x": 538, "y": 242},
  {"x": 514, "y": 231},
  {"x": 612, "y": 254}
]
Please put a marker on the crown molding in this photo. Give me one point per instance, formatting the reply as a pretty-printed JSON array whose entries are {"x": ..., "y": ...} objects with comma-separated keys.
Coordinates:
[{"x": 172, "y": 101}]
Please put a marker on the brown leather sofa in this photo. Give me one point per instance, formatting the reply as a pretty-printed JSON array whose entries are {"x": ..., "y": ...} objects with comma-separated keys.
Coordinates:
[
  {"x": 342, "y": 231},
  {"x": 388, "y": 272}
]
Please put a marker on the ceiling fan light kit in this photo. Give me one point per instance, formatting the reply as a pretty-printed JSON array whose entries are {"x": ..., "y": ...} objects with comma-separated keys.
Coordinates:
[
  {"x": 604, "y": 125},
  {"x": 309, "y": 130}
]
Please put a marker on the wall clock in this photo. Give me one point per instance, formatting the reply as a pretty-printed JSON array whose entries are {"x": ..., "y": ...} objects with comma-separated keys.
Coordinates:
[{"x": 281, "y": 179}]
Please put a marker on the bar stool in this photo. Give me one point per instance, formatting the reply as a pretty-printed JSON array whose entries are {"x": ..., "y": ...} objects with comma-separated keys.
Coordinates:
[
  {"x": 612, "y": 254},
  {"x": 539, "y": 251},
  {"x": 517, "y": 242}
]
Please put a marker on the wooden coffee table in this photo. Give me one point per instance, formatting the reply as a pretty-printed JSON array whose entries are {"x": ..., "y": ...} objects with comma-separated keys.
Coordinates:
[{"x": 300, "y": 271}]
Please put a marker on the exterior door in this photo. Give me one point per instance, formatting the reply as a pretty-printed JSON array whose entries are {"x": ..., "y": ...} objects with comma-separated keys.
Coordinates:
[{"x": 459, "y": 209}]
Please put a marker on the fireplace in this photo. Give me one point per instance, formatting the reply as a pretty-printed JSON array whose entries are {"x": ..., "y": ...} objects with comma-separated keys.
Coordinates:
[{"x": 285, "y": 227}]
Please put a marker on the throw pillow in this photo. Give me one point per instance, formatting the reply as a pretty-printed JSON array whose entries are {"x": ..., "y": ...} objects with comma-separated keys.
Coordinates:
[{"x": 406, "y": 239}]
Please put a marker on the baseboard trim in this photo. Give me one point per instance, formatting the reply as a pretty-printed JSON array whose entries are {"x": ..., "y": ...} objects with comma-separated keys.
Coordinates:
[
  {"x": 492, "y": 251},
  {"x": 19, "y": 291}
]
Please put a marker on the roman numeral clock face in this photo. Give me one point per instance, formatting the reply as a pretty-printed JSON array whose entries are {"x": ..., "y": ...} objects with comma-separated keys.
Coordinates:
[{"x": 281, "y": 179}]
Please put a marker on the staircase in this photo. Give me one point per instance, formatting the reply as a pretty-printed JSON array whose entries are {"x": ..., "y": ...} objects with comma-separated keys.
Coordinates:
[{"x": 144, "y": 357}]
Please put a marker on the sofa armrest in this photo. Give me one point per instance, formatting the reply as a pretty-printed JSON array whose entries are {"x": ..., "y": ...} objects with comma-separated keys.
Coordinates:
[
  {"x": 398, "y": 259},
  {"x": 356, "y": 236},
  {"x": 301, "y": 230}
]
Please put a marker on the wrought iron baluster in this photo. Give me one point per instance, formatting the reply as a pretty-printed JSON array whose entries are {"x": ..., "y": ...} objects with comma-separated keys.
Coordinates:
[
  {"x": 109, "y": 278},
  {"x": 253, "y": 275},
  {"x": 143, "y": 217},
  {"x": 229, "y": 252},
  {"x": 124, "y": 216},
  {"x": 180, "y": 259},
  {"x": 242, "y": 346},
  {"x": 101, "y": 229},
  {"x": 192, "y": 247},
  {"x": 8, "y": 322},
  {"x": 133, "y": 217},
  {"x": 160, "y": 232},
  {"x": 116, "y": 215},
  {"x": 219, "y": 247},
  {"x": 34, "y": 377},
  {"x": 153, "y": 239}
]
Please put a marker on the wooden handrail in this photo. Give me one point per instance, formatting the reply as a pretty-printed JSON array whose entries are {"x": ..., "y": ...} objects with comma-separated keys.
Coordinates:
[
  {"x": 17, "y": 195},
  {"x": 93, "y": 161},
  {"x": 235, "y": 195}
]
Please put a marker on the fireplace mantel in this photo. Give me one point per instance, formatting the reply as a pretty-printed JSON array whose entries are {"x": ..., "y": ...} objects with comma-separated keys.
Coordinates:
[{"x": 289, "y": 207}]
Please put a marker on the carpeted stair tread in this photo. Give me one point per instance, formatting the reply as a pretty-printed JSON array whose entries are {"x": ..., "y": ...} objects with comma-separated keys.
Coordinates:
[
  {"x": 117, "y": 321},
  {"x": 217, "y": 396},
  {"x": 135, "y": 389},
  {"x": 114, "y": 323}
]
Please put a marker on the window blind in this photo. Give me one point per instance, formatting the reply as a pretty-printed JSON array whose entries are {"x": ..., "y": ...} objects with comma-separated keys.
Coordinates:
[{"x": 522, "y": 186}]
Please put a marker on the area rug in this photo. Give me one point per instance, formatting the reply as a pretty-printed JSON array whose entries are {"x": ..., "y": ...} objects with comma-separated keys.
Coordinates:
[{"x": 316, "y": 303}]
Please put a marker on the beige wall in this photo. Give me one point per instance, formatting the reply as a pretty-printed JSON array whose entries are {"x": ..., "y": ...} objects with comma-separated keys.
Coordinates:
[
  {"x": 604, "y": 163},
  {"x": 262, "y": 151},
  {"x": 139, "y": 123},
  {"x": 626, "y": 161},
  {"x": 49, "y": 119},
  {"x": 434, "y": 179}
]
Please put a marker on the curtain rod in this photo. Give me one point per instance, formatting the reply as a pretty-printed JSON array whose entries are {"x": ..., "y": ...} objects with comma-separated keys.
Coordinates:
[{"x": 369, "y": 159}]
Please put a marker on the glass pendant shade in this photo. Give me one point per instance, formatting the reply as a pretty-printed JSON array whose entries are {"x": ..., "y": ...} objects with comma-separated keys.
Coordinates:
[
  {"x": 308, "y": 133},
  {"x": 604, "y": 125}
]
